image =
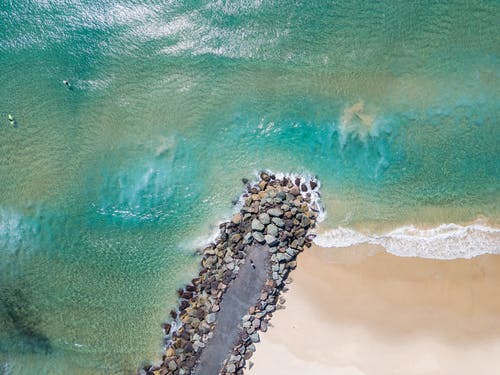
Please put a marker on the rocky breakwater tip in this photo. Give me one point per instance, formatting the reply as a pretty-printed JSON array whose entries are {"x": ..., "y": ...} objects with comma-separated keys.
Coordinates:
[{"x": 276, "y": 213}]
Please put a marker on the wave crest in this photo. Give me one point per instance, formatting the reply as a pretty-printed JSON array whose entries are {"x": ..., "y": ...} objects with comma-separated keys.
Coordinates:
[{"x": 447, "y": 241}]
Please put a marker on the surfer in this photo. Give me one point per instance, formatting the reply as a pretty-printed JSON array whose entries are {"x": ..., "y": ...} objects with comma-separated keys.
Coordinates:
[
  {"x": 12, "y": 121},
  {"x": 68, "y": 85}
]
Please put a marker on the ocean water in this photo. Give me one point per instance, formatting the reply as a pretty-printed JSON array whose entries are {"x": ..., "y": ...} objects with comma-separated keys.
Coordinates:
[{"x": 107, "y": 187}]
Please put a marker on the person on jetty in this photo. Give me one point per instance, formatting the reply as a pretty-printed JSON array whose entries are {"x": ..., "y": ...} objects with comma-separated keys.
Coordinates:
[{"x": 252, "y": 263}]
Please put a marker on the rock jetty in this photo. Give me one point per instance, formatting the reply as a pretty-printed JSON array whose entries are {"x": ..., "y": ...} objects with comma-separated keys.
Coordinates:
[{"x": 276, "y": 215}]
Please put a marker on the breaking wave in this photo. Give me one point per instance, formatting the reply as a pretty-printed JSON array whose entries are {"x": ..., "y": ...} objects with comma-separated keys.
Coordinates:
[{"x": 447, "y": 241}]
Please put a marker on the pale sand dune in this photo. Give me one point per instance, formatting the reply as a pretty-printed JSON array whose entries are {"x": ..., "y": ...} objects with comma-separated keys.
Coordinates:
[{"x": 350, "y": 313}]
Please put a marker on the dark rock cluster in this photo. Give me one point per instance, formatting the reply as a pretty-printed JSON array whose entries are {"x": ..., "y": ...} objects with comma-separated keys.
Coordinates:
[{"x": 277, "y": 212}]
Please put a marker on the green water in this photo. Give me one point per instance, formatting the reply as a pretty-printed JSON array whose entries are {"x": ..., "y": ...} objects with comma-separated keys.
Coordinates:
[{"x": 105, "y": 188}]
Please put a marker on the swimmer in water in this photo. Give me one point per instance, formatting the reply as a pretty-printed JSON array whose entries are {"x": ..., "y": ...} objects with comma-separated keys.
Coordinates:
[
  {"x": 67, "y": 84},
  {"x": 12, "y": 121}
]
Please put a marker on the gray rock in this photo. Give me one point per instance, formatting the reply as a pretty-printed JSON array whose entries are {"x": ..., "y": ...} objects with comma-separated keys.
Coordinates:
[
  {"x": 264, "y": 218},
  {"x": 256, "y": 323},
  {"x": 257, "y": 225},
  {"x": 230, "y": 266},
  {"x": 260, "y": 314},
  {"x": 281, "y": 195},
  {"x": 248, "y": 238},
  {"x": 231, "y": 368},
  {"x": 300, "y": 232},
  {"x": 280, "y": 257},
  {"x": 259, "y": 237},
  {"x": 246, "y": 317},
  {"x": 172, "y": 366},
  {"x": 263, "y": 326},
  {"x": 278, "y": 222},
  {"x": 197, "y": 345},
  {"x": 210, "y": 318},
  {"x": 255, "y": 337},
  {"x": 234, "y": 358},
  {"x": 285, "y": 207},
  {"x": 272, "y": 230},
  {"x": 277, "y": 212},
  {"x": 305, "y": 222},
  {"x": 271, "y": 240},
  {"x": 236, "y": 237}
]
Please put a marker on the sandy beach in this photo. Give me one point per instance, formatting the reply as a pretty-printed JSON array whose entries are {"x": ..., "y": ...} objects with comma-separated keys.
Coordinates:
[{"x": 363, "y": 311}]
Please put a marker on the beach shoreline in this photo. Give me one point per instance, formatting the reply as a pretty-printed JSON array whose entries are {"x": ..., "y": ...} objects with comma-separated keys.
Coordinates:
[{"x": 361, "y": 310}]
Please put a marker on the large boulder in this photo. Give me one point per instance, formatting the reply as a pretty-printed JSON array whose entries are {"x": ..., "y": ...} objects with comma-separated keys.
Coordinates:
[
  {"x": 259, "y": 237},
  {"x": 236, "y": 219},
  {"x": 254, "y": 337},
  {"x": 272, "y": 230},
  {"x": 305, "y": 221},
  {"x": 257, "y": 225},
  {"x": 264, "y": 218},
  {"x": 277, "y": 212},
  {"x": 210, "y": 318},
  {"x": 278, "y": 222},
  {"x": 271, "y": 240}
]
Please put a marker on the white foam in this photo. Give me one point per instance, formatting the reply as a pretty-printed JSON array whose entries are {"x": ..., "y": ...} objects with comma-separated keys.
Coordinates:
[
  {"x": 10, "y": 230},
  {"x": 205, "y": 239},
  {"x": 447, "y": 241}
]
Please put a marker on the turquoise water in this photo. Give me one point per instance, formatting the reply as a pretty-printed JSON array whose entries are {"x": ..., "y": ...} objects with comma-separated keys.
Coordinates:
[{"x": 106, "y": 188}]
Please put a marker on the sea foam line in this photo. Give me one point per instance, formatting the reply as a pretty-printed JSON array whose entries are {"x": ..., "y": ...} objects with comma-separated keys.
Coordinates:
[{"x": 446, "y": 241}]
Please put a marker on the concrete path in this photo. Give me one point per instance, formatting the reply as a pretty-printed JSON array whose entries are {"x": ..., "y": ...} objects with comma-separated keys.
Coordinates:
[{"x": 243, "y": 292}]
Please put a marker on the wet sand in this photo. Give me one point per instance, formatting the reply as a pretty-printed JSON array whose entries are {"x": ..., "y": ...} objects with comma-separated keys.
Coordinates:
[{"x": 364, "y": 311}]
